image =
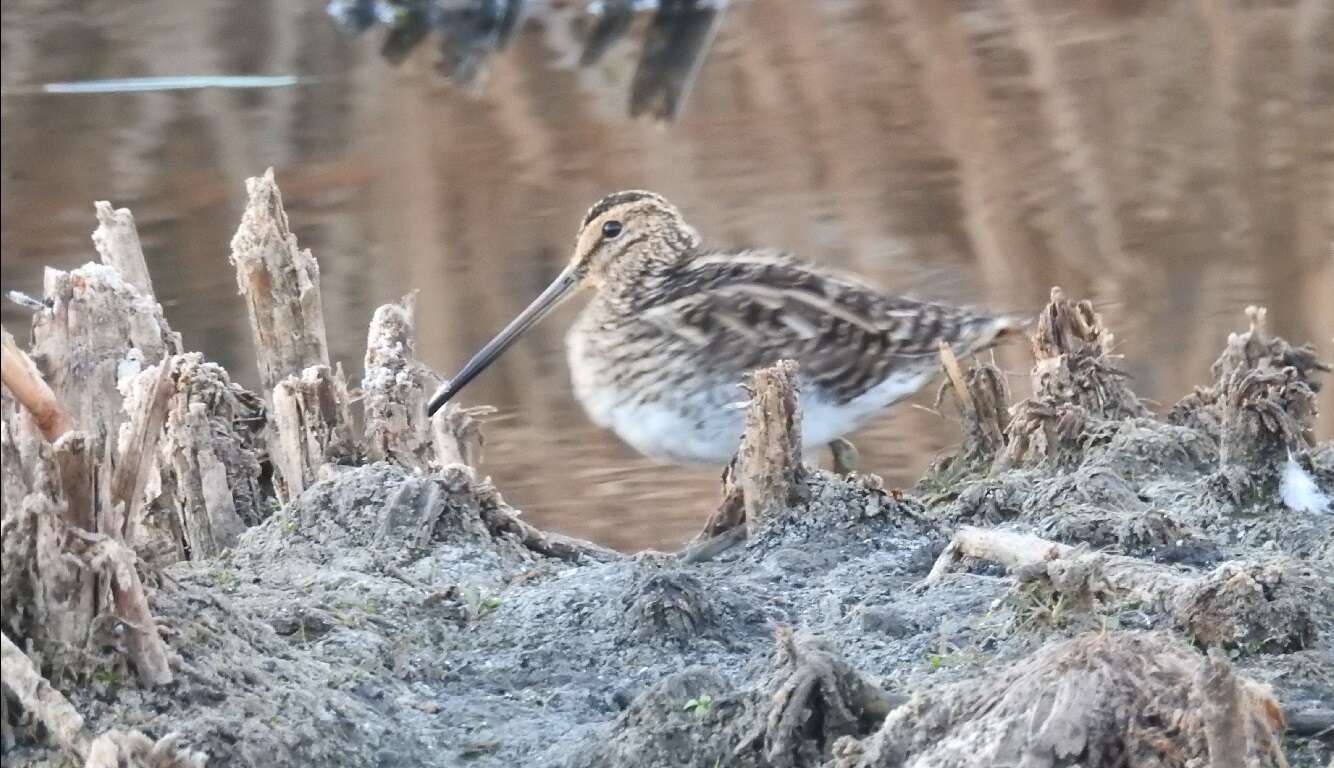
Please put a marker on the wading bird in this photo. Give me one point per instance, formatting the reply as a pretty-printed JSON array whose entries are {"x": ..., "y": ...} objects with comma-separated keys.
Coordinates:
[{"x": 674, "y": 327}]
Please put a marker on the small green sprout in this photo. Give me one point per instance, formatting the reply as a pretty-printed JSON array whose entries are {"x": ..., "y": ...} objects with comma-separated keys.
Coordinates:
[
  {"x": 225, "y": 579},
  {"x": 700, "y": 706},
  {"x": 478, "y": 603},
  {"x": 107, "y": 676},
  {"x": 957, "y": 658}
]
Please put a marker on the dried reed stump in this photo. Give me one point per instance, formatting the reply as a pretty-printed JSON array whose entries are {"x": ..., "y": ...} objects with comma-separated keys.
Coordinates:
[
  {"x": 107, "y": 350},
  {"x": 766, "y": 476},
  {"x": 395, "y": 388},
  {"x": 63, "y": 723},
  {"x": 456, "y": 434},
  {"x": 96, "y": 332},
  {"x": 1261, "y": 408},
  {"x": 147, "y": 396},
  {"x": 1267, "y": 390},
  {"x": 1075, "y": 379},
  {"x": 312, "y": 428},
  {"x": 812, "y": 699},
  {"x": 53, "y": 557},
  {"x": 117, "y": 242},
  {"x": 281, "y": 286},
  {"x": 210, "y": 458},
  {"x": 93, "y": 338},
  {"x": 982, "y": 398},
  {"x": 674, "y": 49},
  {"x": 310, "y": 417},
  {"x": 146, "y": 650},
  {"x": 47, "y": 596},
  {"x": 65, "y": 726}
]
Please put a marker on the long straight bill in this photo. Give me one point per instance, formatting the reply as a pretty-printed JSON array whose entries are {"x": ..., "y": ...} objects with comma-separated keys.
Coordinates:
[{"x": 562, "y": 288}]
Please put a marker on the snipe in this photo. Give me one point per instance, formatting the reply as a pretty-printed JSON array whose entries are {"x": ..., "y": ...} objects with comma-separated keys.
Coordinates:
[{"x": 673, "y": 327}]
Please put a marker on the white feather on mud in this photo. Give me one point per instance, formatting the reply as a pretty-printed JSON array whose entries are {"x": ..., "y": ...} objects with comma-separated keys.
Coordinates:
[{"x": 1299, "y": 490}]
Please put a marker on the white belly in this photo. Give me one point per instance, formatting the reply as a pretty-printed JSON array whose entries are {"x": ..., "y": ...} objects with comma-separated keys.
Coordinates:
[
  {"x": 823, "y": 420},
  {"x": 662, "y": 431},
  {"x": 703, "y": 425}
]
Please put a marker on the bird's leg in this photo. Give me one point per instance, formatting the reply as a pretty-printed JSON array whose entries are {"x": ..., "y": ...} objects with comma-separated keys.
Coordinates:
[{"x": 846, "y": 458}]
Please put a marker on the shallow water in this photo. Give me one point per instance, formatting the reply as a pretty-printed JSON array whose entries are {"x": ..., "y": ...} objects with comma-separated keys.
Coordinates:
[{"x": 1172, "y": 161}]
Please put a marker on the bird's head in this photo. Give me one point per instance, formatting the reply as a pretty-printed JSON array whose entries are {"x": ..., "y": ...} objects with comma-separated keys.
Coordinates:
[
  {"x": 621, "y": 237},
  {"x": 625, "y": 233}
]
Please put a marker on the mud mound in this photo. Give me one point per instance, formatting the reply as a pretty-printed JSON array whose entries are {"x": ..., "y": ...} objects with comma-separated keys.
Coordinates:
[
  {"x": 1098, "y": 700},
  {"x": 409, "y": 617},
  {"x": 319, "y": 640}
]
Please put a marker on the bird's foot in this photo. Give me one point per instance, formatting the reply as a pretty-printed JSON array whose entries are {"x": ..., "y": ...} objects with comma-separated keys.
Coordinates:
[{"x": 846, "y": 458}]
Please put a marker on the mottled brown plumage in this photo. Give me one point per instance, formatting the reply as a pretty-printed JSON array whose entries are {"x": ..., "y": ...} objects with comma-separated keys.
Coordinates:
[{"x": 658, "y": 353}]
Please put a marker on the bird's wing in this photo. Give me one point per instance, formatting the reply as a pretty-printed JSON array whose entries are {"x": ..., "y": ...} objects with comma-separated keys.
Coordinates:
[{"x": 756, "y": 307}]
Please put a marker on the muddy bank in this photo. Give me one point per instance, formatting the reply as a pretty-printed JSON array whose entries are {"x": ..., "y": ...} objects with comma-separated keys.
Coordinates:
[
  {"x": 1086, "y": 582},
  {"x": 328, "y": 637},
  {"x": 386, "y": 618}
]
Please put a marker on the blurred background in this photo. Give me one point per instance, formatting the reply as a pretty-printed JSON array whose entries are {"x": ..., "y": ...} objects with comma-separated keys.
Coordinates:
[{"x": 1173, "y": 161}]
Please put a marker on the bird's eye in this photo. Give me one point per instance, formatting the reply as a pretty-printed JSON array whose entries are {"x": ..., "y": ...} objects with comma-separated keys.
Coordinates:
[{"x": 611, "y": 229}]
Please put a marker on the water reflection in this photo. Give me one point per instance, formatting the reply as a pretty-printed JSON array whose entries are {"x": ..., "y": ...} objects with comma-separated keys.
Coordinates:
[
  {"x": 471, "y": 31},
  {"x": 1172, "y": 161},
  {"x": 178, "y": 83}
]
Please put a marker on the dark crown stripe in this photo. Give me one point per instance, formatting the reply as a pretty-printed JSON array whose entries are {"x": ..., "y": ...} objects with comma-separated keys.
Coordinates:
[{"x": 613, "y": 200}]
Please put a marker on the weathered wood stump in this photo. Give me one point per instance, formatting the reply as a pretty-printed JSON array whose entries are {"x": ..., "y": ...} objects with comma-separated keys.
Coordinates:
[
  {"x": 395, "y": 388},
  {"x": 210, "y": 457},
  {"x": 117, "y": 241},
  {"x": 313, "y": 428},
  {"x": 310, "y": 410},
  {"x": 767, "y": 475},
  {"x": 281, "y": 286},
  {"x": 79, "y": 458}
]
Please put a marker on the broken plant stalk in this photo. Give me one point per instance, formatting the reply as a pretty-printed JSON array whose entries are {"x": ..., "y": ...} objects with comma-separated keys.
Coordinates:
[
  {"x": 25, "y": 382},
  {"x": 767, "y": 475}
]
